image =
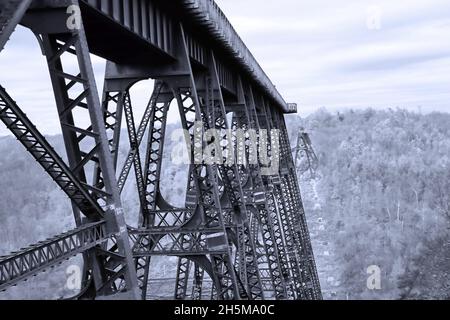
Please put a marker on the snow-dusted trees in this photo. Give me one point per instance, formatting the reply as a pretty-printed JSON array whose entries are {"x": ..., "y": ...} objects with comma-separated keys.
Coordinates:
[{"x": 385, "y": 184}]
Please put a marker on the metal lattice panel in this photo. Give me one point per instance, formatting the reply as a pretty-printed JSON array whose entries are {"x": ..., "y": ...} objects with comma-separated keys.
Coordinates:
[{"x": 46, "y": 254}]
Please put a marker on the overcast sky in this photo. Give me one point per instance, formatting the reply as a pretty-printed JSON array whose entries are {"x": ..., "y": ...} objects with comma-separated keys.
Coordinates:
[{"x": 337, "y": 54}]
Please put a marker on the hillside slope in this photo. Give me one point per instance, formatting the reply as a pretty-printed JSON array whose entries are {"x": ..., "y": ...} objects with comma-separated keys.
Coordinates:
[
  {"x": 381, "y": 198},
  {"x": 384, "y": 200}
]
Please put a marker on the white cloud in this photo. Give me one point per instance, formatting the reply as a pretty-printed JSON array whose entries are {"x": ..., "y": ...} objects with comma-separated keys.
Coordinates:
[
  {"x": 318, "y": 53},
  {"x": 322, "y": 53}
]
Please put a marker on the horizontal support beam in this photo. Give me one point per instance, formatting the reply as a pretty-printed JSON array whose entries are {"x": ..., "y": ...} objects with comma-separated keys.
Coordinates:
[
  {"x": 172, "y": 230},
  {"x": 39, "y": 257},
  {"x": 178, "y": 253}
]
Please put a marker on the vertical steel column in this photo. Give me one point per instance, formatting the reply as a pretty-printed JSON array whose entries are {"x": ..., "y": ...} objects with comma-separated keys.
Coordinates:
[
  {"x": 284, "y": 209},
  {"x": 260, "y": 196},
  {"x": 291, "y": 217},
  {"x": 112, "y": 105},
  {"x": 286, "y": 239},
  {"x": 208, "y": 201},
  {"x": 205, "y": 179},
  {"x": 292, "y": 267},
  {"x": 182, "y": 278},
  {"x": 231, "y": 180},
  {"x": 184, "y": 264},
  {"x": 74, "y": 43},
  {"x": 117, "y": 101},
  {"x": 298, "y": 218},
  {"x": 152, "y": 176}
]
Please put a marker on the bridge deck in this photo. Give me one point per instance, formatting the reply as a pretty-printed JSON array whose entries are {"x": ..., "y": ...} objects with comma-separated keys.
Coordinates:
[{"x": 142, "y": 32}]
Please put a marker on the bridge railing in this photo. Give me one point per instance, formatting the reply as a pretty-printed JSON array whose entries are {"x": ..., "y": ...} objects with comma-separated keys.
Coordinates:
[{"x": 213, "y": 17}]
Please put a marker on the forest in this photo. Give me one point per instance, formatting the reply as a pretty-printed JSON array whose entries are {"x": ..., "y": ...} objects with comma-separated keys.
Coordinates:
[
  {"x": 380, "y": 197},
  {"x": 383, "y": 199}
]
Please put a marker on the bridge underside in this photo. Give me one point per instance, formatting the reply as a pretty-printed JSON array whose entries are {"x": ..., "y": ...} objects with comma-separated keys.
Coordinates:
[{"x": 242, "y": 233}]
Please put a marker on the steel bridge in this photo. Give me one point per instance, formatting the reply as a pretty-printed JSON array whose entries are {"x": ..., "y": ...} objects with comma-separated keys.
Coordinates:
[{"x": 241, "y": 232}]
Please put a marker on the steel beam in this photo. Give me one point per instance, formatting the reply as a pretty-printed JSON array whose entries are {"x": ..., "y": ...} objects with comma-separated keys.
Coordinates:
[
  {"x": 11, "y": 14},
  {"x": 45, "y": 255},
  {"x": 88, "y": 146}
]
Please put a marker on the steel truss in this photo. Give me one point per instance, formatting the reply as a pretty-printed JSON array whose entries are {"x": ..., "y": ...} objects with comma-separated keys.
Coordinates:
[
  {"x": 305, "y": 156},
  {"x": 240, "y": 229},
  {"x": 46, "y": 254}
]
